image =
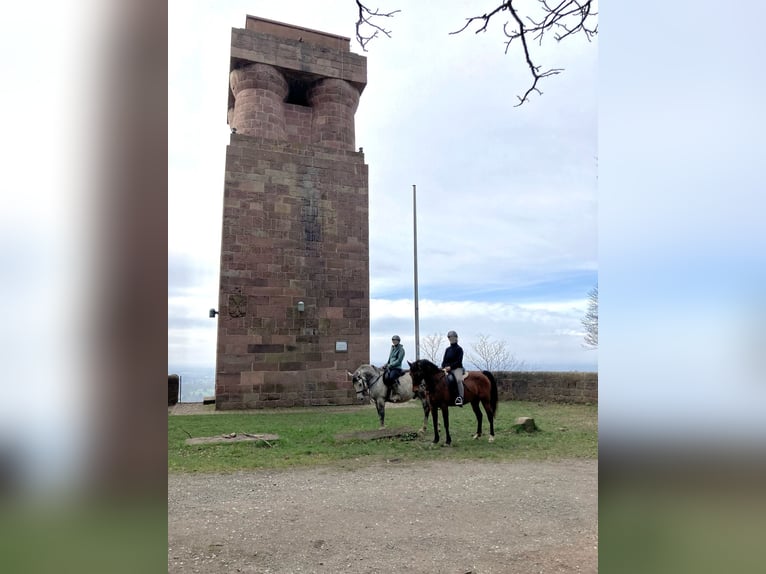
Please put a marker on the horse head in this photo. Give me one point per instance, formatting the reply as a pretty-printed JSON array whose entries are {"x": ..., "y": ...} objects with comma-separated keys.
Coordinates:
[
  {"x": 361, "y": 379},
  {"x": 425, "y": 373}
]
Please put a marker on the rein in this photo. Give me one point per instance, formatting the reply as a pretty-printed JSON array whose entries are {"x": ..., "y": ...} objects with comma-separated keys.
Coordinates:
[{"x": 369, "y": 385}]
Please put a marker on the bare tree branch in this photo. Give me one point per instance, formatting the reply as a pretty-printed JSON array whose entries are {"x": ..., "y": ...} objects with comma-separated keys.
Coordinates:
[
  {"x": 365, "y": 22},
  {"x": 430, "y": 347},
  {"x": 489, "y": 355},
  {"x": 563, "y": 20},
  {"x": 571, "y": 16},
  {"x": 486, "y": 18}
]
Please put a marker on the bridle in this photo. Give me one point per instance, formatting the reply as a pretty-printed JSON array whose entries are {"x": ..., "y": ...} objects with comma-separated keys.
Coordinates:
[
  {"x": 422, "y": 376},
  {"x": 418, "y": 383},
  {"x": 367, "y": 385}
]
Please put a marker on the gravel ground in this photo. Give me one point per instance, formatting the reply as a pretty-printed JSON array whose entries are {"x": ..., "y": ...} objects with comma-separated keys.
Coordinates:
[{"x": 433, "y": 517}]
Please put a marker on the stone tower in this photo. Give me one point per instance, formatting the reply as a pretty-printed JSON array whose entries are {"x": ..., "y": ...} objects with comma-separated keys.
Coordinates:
[{"x": 294, "y": 283}]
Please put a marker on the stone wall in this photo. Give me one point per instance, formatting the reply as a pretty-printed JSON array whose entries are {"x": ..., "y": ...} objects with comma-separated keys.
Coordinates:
[
  {"x": 294, "y": 281},
  {"x": 544, "y": 386}
]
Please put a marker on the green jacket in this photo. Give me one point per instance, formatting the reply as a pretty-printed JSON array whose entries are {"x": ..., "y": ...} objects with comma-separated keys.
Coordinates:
[{"x": 396, "y": 357}]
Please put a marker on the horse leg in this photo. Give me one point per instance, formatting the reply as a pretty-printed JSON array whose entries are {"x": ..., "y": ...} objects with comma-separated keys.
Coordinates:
[
  {"x": 477, "y": 412},
  {"x": 426, "y": 412},
  {"x": 380, "y": 405},
  {"x": 435, "y": 413},
  {"x": 491, "y": 419},
  {"x": 445, "y": 416}
]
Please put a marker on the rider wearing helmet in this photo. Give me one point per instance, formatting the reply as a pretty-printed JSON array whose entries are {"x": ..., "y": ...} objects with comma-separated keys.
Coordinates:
[
  {"x": 453, "y": 363},
  {"x": 393, "y": 368}
]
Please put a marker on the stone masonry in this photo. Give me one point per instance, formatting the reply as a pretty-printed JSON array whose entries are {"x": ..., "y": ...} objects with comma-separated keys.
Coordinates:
[
  {"x": 549, "y": 387},
  {"x": 294, "y": 281}
]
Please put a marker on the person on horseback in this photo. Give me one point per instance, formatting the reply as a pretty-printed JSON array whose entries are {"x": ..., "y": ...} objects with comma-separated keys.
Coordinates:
[
  {"x": 453, "y": 363},
  {"x": 393, "y": 368}
]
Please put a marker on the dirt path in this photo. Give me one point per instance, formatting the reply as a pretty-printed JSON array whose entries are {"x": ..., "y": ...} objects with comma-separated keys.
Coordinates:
[{"x": 436, "y": 517}]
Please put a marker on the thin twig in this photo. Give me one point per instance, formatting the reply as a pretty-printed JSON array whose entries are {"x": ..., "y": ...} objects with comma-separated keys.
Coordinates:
[
  {"x": 485, "y": 17},
  {"x": 366, "y": 19}
]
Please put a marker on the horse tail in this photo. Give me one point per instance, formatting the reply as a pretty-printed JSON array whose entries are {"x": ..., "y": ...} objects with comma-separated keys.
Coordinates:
[{"x": 493, "y": 391}]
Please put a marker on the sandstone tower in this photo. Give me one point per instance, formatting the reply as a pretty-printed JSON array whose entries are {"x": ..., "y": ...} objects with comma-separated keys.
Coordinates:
[{"x": 294, "y": 283}]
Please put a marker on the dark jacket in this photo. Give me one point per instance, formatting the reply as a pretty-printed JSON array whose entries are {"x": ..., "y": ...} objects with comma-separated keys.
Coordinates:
[{"x": 453, "y": 357}]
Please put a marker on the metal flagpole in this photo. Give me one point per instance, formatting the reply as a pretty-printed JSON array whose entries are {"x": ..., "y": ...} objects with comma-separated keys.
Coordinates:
[{"x": 417, "y": 311}]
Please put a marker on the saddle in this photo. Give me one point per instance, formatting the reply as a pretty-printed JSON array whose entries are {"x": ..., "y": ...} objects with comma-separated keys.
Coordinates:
[{"x": 391, "y": 376}]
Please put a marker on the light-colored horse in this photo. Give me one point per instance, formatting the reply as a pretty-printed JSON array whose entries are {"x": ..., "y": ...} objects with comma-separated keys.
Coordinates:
[{"x": 368, "y": 379}]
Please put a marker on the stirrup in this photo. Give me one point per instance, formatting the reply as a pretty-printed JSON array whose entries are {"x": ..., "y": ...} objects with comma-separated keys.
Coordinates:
[{"x": 459, "y": 402}]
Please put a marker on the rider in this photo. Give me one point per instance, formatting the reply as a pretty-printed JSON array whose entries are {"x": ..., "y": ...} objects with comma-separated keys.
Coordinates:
[
  {"x": 453, "y": 363},
  {"x": 393, "y": 367}
]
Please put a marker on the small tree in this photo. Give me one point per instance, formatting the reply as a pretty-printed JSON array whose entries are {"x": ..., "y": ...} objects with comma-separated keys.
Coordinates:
[
  {"x": 430, "y": 348},
  {"x": 590, "y": 320},
  {"x": 489, "y": 355}
]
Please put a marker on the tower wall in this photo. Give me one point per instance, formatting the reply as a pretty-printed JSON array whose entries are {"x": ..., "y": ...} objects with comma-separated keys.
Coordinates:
[{"x": 295, "y": 222}]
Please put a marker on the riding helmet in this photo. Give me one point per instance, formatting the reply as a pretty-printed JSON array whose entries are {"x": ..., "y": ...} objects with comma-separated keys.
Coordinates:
[
  {"x": 395, "y": 338},
  {"x": 451, "y": 334}
]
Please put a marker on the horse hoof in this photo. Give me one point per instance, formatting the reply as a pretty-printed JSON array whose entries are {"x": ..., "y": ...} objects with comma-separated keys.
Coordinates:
[
  {"x": 476, "y": 436},
  {"x": 492, "y": 439}
]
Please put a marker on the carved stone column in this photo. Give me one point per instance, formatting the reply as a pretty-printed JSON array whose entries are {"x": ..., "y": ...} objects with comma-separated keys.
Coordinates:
[
  {"x": 259, "y": 92},
  {"x": 334, "y": 102}
]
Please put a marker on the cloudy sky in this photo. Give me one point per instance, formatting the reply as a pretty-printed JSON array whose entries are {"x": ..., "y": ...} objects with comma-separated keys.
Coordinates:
[{"x": 506, "y": 196}]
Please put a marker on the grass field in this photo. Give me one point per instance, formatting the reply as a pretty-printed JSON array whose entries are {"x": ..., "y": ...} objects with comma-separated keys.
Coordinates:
[{"x": 309, "y": 437}]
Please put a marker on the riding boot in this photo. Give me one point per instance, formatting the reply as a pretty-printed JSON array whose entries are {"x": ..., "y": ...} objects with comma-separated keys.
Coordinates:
[{"x": 392, "y": 385}]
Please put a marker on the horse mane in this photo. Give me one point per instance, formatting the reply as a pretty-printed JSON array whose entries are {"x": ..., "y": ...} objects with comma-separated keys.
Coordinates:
[{"x": 430, "y": 367}]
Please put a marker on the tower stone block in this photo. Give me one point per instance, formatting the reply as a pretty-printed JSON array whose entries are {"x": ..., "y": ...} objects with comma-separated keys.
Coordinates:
[{"x": 295, "y": 222}]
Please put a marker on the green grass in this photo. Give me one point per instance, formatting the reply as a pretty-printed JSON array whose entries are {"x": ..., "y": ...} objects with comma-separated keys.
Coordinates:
[{"x": 308, "y": 437}]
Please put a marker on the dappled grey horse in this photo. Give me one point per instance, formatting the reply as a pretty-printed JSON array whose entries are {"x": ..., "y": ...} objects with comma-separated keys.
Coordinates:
[{"x": 368, "y": 379}]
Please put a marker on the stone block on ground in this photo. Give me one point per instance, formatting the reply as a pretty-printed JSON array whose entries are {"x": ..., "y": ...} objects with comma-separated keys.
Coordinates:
[
  {"x": 233, "y": 437},
  {"x": 525, "y": 424}
]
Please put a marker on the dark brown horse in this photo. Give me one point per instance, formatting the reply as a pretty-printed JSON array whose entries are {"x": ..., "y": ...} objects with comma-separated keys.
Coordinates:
[{"x": 478, "y": 387}]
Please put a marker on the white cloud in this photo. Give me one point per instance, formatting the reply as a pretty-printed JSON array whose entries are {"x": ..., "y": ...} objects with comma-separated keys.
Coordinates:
[{"x": 546, "y": 336}]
